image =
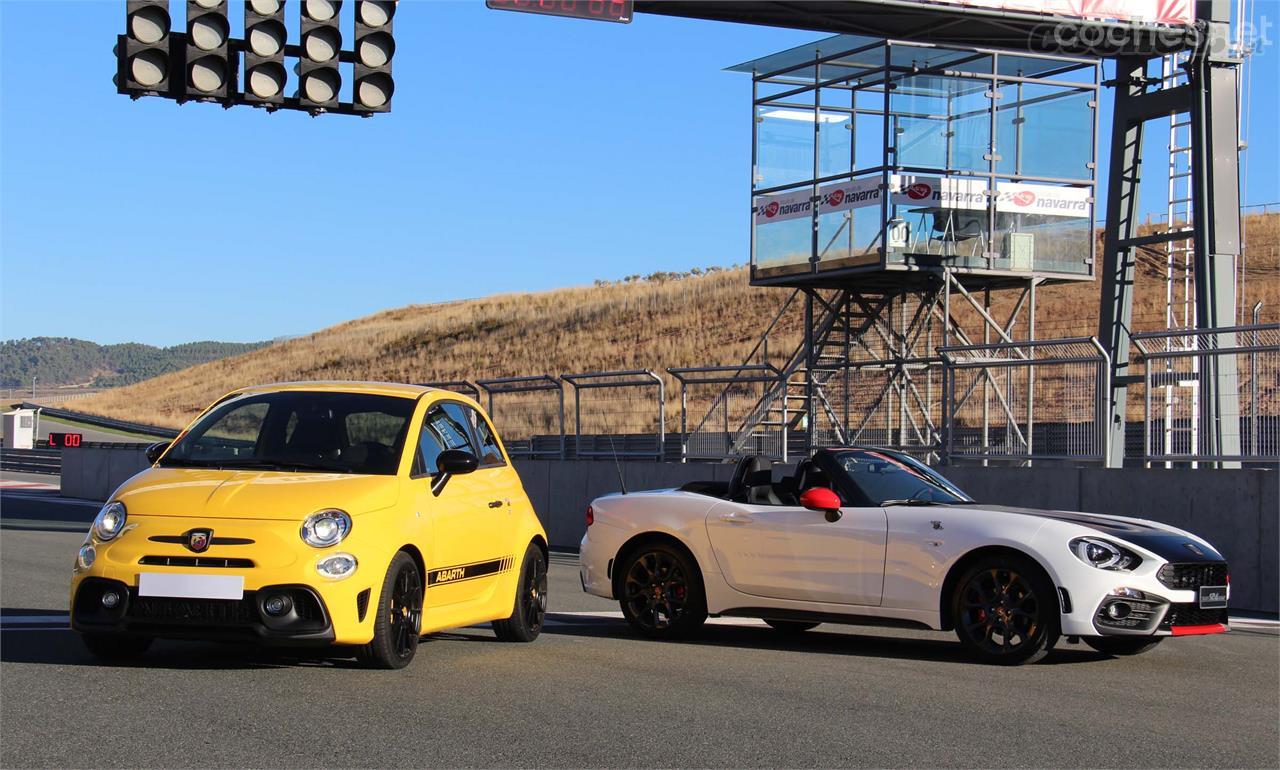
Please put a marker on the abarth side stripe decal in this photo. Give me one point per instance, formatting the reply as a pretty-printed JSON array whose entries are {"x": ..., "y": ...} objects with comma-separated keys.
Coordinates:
[{"x": 463, "y": 572}]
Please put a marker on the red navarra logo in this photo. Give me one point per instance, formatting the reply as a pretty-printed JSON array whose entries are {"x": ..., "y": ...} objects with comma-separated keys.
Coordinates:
[
  {"x": 1024, "y": 198},
  {"x": 771, "y": 210},
  {"x": 835, "y": 198},
  {"x": 919, "y": 191}
]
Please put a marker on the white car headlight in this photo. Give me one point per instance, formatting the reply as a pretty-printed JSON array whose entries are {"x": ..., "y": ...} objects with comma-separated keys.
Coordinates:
[
  {"x": 109, "y": 522},
  {"x": 325, "y": 528},
  {"x": 1104, "y": 555}
]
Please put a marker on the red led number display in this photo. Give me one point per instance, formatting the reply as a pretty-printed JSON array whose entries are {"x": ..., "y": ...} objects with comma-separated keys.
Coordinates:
[
  {"x": 601, "y": 10},
  {"x": 65, "y": 440}
]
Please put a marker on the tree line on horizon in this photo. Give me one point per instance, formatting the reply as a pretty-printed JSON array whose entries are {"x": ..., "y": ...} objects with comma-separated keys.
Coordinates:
[{"x": 68, "y": 361}]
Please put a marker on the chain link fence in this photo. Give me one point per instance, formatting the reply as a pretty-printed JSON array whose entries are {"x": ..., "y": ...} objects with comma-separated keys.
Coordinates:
[
  {"x": 1045, "y": 400},
  {"x": 529, "y": 414},
  {"x": 1179, "y": 370},
  {"x": 618, "y": 414},
  {"x": 993, "y": 402},
  {"x": 747, "y": 414},
  {"x": 894, "y": 403}
]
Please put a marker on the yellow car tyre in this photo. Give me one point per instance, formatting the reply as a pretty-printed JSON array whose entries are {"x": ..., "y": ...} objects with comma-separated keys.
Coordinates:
[
  {"x": 530, "y": 609},
  {"x": 399, "y": 619},
  {"x": 116, "y": 646}
]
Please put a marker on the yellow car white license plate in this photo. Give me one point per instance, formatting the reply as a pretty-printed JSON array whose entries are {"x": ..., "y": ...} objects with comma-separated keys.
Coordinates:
[{"x": 191, "y": 586}]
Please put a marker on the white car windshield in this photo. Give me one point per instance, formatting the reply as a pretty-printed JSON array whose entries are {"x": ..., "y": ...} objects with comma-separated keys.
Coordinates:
[{"x": 889, "y": 478}]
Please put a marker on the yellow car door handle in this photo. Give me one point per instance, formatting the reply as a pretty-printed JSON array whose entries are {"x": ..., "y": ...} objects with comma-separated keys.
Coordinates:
[{"x": 495, "y": 503}]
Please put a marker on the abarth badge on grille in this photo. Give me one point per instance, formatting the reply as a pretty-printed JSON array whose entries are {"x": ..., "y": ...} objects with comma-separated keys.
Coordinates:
[{"x": 198, "y": 540}]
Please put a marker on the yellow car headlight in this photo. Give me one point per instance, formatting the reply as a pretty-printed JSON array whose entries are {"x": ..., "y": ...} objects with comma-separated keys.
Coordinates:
[
  {"x": 109, "y": 522},
  {"x": 326, "y": 528}
]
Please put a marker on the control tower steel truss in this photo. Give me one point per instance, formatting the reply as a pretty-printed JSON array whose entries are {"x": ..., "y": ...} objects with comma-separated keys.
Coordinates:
[
  {"x": 881, "y": 303},
  {"x": 1209, "y": 95}
]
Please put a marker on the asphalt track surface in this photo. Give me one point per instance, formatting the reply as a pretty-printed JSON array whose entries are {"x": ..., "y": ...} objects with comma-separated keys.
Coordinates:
[{"x": 588, "y": 693}]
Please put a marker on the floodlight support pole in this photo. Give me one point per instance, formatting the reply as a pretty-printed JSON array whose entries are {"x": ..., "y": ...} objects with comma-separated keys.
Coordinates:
[
  {"x": 1215, "y": 177},
  {"x": 1211, "y": 98},
  {"x": 1115, "y": 319}
]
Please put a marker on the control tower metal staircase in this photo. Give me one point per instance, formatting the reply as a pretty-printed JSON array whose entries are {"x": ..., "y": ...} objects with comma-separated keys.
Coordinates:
[{"x": 783, "y": 419}]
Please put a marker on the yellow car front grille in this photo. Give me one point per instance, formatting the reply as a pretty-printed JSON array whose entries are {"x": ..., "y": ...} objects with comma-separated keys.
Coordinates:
[{"x": 216, "y": 562}]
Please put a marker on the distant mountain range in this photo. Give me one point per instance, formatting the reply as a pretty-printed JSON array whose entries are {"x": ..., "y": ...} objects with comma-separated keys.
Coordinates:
[{"x": 67, "y": 361}]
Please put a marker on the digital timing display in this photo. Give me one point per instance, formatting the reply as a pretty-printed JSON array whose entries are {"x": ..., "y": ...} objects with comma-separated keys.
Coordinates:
[
  {"x": 64, "y": 440},
  {"x": 600, "y": 10}
]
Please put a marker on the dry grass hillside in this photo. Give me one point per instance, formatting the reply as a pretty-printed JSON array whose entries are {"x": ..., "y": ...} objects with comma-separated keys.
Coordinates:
[
  {"x": 714, "y": 318},
  {"x": 706, "y": 319}
]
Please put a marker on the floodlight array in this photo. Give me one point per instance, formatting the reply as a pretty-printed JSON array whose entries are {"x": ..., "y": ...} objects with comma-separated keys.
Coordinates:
[{"x": 203, "y": 62}]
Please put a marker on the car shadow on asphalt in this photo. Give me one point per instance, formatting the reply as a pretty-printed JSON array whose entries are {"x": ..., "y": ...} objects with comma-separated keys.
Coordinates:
[
  {"x": 52, "y": 643},
  {"x": 826, "y": 642}
]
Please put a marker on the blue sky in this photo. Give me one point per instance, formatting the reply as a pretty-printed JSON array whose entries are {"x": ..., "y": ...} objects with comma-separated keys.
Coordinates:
[{"x": 523, "y": 153}]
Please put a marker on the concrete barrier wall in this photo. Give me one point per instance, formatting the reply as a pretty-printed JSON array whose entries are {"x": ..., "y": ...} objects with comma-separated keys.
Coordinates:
[
  {"x": 93, "y": 473},
  {"x": 561, "y": 489},
  {"x": 1236, "y": 510}
]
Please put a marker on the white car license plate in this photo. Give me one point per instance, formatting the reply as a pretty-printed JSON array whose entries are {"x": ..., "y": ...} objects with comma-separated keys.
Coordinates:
[
  {"x": 191, "y": 586},
  {"x": 1213, "y": 597}
]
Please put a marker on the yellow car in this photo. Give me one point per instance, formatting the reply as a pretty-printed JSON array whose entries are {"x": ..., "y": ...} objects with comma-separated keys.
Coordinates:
[{"x": 361, "y": 514}]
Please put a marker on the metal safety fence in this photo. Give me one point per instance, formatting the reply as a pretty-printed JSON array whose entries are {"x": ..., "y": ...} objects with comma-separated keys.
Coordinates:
[
  {"x": 994, "y": 391},
  {"x": 736, "y": 402},
  {"x": 527, "y": 411},
  {"x": 1179, "y": 371},
  {"x": 618, "y": 414},
  {"x": 1009, "y": 401},
  {"x": 893, "y": 403}
]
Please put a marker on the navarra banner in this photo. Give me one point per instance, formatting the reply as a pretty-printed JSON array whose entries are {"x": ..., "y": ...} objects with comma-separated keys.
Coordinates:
[
  {"x": 926, "y": 192},
  {"x": 840, "y": 196},
  {"x": 937, "y": 192},
  {"x": 1047, "y": 200}
]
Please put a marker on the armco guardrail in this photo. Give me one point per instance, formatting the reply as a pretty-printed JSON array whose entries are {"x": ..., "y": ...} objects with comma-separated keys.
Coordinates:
[
  {"x": 103, "y": 422},
  {"x": 31, "y": 460}
]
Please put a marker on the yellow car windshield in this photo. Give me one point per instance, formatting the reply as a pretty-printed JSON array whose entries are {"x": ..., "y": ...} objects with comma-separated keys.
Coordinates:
[{"x": 299, "y": 431}]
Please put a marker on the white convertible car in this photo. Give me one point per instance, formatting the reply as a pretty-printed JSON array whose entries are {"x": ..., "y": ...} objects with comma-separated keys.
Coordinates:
[{"x": 871, "y": 536}]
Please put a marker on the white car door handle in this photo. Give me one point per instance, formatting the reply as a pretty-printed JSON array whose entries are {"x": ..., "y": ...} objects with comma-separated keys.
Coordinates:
[{"x": 736, "y": 518}]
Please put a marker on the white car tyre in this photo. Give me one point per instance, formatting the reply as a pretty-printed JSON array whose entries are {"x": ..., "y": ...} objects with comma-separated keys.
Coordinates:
[
  {"x": 1005, "y": 610},
  {"x": 660, "y": 591}
]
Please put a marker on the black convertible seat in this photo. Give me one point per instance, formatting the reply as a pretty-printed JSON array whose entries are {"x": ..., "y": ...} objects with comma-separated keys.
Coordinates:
[{"x": 753, "y": 482}]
